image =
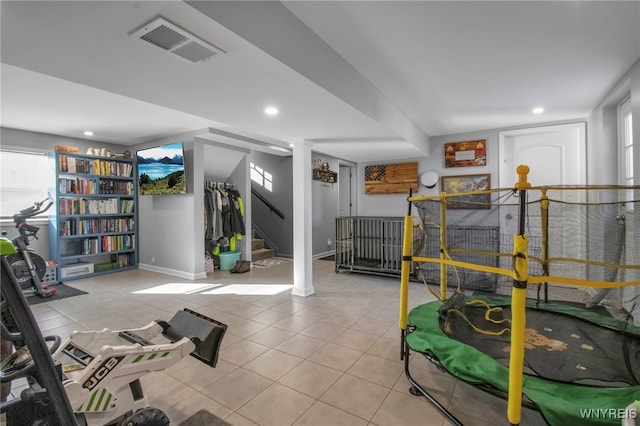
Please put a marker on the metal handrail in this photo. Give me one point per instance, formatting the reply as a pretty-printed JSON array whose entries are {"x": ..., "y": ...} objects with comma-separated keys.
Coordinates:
[
  {"x": 268, "y": 241},
  {"x": 267, "y": 203}
]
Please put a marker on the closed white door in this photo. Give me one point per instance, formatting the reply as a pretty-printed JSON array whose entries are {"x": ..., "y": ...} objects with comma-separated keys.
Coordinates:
[
  {"x": 344, "y": 183},
  {"x": 555, "y": 156}
]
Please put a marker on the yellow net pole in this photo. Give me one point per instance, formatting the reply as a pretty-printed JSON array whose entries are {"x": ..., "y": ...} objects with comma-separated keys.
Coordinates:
[
  {"x": 407, "y": 245},
  {"x": 518, "y": 303},
  {"x": 443, "y": 245}
]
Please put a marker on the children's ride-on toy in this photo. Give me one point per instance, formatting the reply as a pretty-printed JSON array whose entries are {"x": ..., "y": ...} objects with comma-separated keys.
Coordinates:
[
  {"x": 102, "y": 368},
  {"x": 94, "y": 378}
]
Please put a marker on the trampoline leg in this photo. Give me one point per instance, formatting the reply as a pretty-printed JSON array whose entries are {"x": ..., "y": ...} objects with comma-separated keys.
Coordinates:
[{"x": 417, "y": 390}]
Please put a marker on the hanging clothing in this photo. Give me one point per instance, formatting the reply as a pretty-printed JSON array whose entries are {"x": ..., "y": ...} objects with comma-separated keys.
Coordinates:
[
  {"x": 213, "y": 214},
  {"x": 237, "y": 221},
  {"x": 224, "y": 214}
]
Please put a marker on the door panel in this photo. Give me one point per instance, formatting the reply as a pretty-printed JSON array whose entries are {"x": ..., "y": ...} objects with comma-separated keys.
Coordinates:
[
  {"x": 555, "y": 156},
  {"x": 344, "y": 182}
]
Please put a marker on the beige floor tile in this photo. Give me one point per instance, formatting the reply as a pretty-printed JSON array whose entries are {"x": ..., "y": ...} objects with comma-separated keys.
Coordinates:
[
  {"x": 398, "y": 409},
  {"x": 294, "y": 323},
  {"x": 322, "y": 331},
  {"x": 337, "y": 357},
  {"x": 236, "y": 388},
  {"x": 244, "y": 327},
  {"x": 350, "y": 324},
  {"x": 355, "y": 340},
  {"x": 313, "y": 312},
  {"x": 269, "y": 316},
  {"x": 356, "y": 396},
  {"x": 241, "y": 352},
  {"x": 237, "y": 420},
  {"x": 273, "y": 364},
  {"x": 321, "y": 414},
  {"x": 242, "y": 309},
  {"x": 386, "y": 348},
  {"x": 198, "y": 375},
  {"x": 310, "y": 378},
  {"x": 301, "y": 346},
  {"x": 166, "y": 391},
  {"x": 289, "y": 306},
  {"x": 45, "y": 314},
  {"x": 378, "y": 370},
  {"x": 276, "y": 406},
  {"x": 341, "y": 319},
  {"x": 271, "y": 336},
  {"x": 189, "y": 406}
]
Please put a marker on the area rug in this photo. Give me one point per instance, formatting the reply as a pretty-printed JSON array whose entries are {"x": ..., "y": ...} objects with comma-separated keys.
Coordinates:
[
  {"x": 204, "y": 418},
  {"x": 63, "y": 291},
  {"x": 269, "y": 262}
]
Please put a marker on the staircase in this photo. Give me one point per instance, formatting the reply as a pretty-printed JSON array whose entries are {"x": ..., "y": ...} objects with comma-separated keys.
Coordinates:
[{"x": 258, "y": 250}]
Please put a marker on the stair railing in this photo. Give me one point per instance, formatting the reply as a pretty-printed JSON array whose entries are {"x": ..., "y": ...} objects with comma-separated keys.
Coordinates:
[
  {"x": 270, "y": 244},
  {"x": 267, "y": 203}
]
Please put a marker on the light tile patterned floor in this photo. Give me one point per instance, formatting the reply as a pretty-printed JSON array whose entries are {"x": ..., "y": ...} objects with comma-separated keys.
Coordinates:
[{"x": 329, "y": 359}]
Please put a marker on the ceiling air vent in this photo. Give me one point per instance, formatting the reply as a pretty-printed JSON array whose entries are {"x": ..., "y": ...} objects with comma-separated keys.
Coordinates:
[{"x": 170, "y": 37}]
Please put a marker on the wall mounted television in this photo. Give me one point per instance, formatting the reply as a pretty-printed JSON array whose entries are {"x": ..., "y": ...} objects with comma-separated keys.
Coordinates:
[{"x": 161, "y": 170}]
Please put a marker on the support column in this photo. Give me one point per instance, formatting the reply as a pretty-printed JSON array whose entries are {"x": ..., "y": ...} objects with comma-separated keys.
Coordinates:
[{"x": 302, "y": 220}]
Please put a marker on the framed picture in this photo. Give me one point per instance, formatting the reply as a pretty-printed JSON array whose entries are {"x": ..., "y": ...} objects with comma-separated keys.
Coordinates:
[
  {"x": 465, "y": 154},
  {"x": 467, "y": 183},
  {"x": 391, "y": 178}
]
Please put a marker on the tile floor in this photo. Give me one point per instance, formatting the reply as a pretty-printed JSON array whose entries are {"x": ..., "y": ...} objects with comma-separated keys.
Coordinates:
[{"x": 329, "y": 359}]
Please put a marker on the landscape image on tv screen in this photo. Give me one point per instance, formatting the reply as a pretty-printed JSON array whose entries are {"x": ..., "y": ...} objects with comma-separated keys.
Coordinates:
[{"x": 161, "y": 170}]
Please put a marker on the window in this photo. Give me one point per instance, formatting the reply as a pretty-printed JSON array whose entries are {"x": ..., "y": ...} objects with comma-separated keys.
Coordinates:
[
  {"x": 261, "y": 177},
  {"x": 625, "y": 135},
  {"x": 25, "y": 179}
]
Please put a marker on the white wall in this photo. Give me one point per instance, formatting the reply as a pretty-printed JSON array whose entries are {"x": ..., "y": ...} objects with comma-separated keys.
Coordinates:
[
  {"x": 167, "y": 223},
  {"x": 396, "y": 204},
  {"x": 603, "y": 153},
  {"x": 44, "y": 143}
]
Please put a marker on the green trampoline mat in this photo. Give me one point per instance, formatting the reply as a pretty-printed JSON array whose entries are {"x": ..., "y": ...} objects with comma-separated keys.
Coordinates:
[{"x": 559, "y": 403}]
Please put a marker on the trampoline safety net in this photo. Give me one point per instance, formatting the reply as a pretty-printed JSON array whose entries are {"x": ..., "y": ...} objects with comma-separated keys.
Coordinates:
[{"x": 580, "y": 269}]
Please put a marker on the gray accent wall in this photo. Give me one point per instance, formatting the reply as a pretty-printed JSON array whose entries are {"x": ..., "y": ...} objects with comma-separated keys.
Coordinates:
[
  {"x": 167, "y": 223},
  {"x": 326, "y": 200},
  {"x": 279, "y": 231}
]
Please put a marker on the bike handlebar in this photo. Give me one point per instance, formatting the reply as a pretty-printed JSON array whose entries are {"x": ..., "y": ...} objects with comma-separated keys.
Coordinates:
[{"x": 33, "y": 210}]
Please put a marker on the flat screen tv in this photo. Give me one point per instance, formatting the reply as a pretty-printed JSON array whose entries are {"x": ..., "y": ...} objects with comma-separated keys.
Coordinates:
[{"x": 161, "y": 170}]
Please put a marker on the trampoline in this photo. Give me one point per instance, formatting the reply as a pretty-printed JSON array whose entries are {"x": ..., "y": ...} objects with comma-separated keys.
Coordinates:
[{"x": 558, "y": 329}]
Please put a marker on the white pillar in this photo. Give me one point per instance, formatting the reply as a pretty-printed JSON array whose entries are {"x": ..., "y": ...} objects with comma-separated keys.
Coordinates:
[{"x": 302, "y": 220}]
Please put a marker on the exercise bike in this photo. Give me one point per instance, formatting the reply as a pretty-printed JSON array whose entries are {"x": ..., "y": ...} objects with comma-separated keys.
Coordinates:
[{"x": 28, "y": 267}]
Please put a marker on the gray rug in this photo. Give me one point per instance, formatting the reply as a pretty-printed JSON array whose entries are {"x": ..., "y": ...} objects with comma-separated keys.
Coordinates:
[
  {"x": 204, "y": 418},
  {"x": 62, "y": 292}
]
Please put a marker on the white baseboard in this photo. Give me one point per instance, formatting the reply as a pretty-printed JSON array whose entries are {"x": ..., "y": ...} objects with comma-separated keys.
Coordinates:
[
  {"x": 174, "y": 272},
  {"x": 325, "y": 254}
]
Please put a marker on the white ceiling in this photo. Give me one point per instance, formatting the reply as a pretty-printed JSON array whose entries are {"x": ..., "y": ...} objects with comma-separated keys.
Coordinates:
[{"x": 364, "y": 81}]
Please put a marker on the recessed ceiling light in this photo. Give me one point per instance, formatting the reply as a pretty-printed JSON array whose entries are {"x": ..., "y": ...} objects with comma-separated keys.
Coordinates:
[
  {"x": 88, "y": 133},
  {"x": 538, "y": 110},
  {"x": 271, "y": 110},
  {"x": 291, "y": 145}
]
